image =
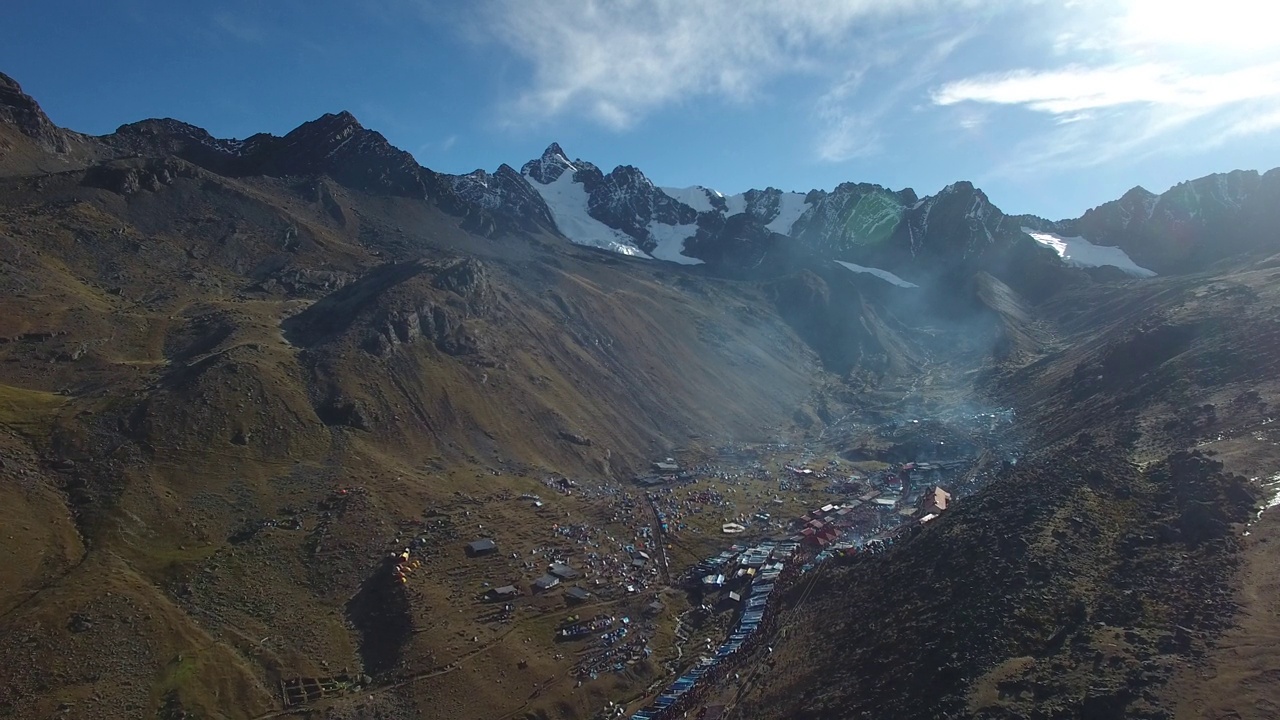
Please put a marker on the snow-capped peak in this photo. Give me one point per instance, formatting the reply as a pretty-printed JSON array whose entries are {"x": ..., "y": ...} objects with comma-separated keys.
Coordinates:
[
  {"x": 697, "y": 197},
  {"x": 548, "y": 168},
  {"x": 567, "y": 201}
]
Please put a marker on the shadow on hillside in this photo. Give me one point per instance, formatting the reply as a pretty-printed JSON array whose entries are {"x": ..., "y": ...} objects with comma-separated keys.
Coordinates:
[{"x": 380, "y": 613}]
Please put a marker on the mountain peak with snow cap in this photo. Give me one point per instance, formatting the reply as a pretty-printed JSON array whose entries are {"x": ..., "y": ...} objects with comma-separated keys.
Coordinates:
[
  {"x": 550, "y": 166},
  {"x": 956, "y": 231}
]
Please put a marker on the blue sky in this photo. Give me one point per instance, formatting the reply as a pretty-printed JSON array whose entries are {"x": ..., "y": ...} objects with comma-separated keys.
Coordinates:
[{"x": 1051, "y": 107}]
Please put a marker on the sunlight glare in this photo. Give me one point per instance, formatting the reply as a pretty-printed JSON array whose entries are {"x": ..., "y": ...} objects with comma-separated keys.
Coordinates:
[{"x": 1231, "y": 26}]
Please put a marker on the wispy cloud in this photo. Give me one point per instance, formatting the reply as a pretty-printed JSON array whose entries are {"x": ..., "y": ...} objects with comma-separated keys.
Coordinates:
[
  {"x": 621, "y": 61},
  {"x": 1069, "y": 84},
  {"x": 1124, "y": 81},
  {"x": 848, "y": 136},
  {"x": 845, "y": 133},
  {"x": 1073, "y": 90},
  {"x": 852, "y": 117},
  {"x": 1253, "y": 124}
]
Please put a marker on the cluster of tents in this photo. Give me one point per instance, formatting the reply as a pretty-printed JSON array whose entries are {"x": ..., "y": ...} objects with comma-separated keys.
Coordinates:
[
  {"x": 752, "y": 616},
  {"x": 682, "y": 685},
  {"x": 403, "y": 567}
]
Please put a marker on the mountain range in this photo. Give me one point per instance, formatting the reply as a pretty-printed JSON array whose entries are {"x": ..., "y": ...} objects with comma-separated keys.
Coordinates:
[
  {"x": 239, "y": 377},
  {"x": 1186, "y": 228}
]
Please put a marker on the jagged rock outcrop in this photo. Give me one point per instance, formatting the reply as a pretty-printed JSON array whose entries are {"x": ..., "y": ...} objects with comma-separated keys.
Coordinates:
[
  {"x": 504, "y": 196},
  {"x": 401, "y": 304},
  {"x": 127, "y": 177},
  {"x": 740, "y": 246},
  {"x": 335, "y": 145},
  {"x": 405, "y": 326},
  {"x": 20, "y": 110},
  {"x": 549, "y": 167},
  {"x": 626, "y": 200},
  {"x": 851, "y": 216}
]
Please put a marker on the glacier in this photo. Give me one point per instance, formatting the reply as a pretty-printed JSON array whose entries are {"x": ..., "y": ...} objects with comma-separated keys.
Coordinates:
[
  {"x": 567, "y": 201},
  {"x": 1078, "y": 252},
  {"x": 884, "y": 275}
]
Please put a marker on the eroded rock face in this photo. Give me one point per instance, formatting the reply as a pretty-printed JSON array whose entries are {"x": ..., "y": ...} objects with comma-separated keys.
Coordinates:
[
  {"x": 400, "y": 305},
  {"x": 441, "y": 323},
  {"x": 19, "y": 109},
  {"x": 469, "y": 280},
  {"x": 305, "y": 281},
  {"x": 132, "y": 177},
  {"x": 503, "y": 196},
  {"x": 341, "y": 411},
  {"x": 438, "y": 325}
]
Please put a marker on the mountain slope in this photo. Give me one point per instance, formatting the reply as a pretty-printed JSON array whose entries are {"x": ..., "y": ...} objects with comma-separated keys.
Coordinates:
[
  {"x": 190, "y": 354},
  {"x": 1113, "y": 569}
]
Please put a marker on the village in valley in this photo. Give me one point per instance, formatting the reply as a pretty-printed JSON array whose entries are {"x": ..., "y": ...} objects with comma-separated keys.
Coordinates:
[{"x": 641, "y": 596}]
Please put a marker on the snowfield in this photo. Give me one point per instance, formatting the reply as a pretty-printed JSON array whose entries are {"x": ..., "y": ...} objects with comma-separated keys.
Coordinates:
[
  {"x": 790, "y": 207},
  {"x": 884, "y": 275},
  {"x": 735, "y": 204},
  {"x": 567, "y": 201},
  {"x": 670, "y": 239},
  {"x": 1078, "y": 252},
  {"x": 696, "y": 197}
]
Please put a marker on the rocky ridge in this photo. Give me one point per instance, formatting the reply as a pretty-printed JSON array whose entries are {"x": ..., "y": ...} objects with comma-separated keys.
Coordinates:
[
  {"x": 957, "y": 230},
  {"x": 1193, "y": 224}
]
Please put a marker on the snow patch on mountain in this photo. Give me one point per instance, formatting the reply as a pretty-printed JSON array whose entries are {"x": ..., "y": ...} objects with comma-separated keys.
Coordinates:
[
  {"x": 735, "y": 204},
  {"x": 791, "y": 206},
  {"x": 882, "y": 274},
  {"x": 670, "y": 240},
  {"x": 1078, "y": 252},
  {"x": 696, "y": 197},
  {"x": 567, "y": 201}
]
